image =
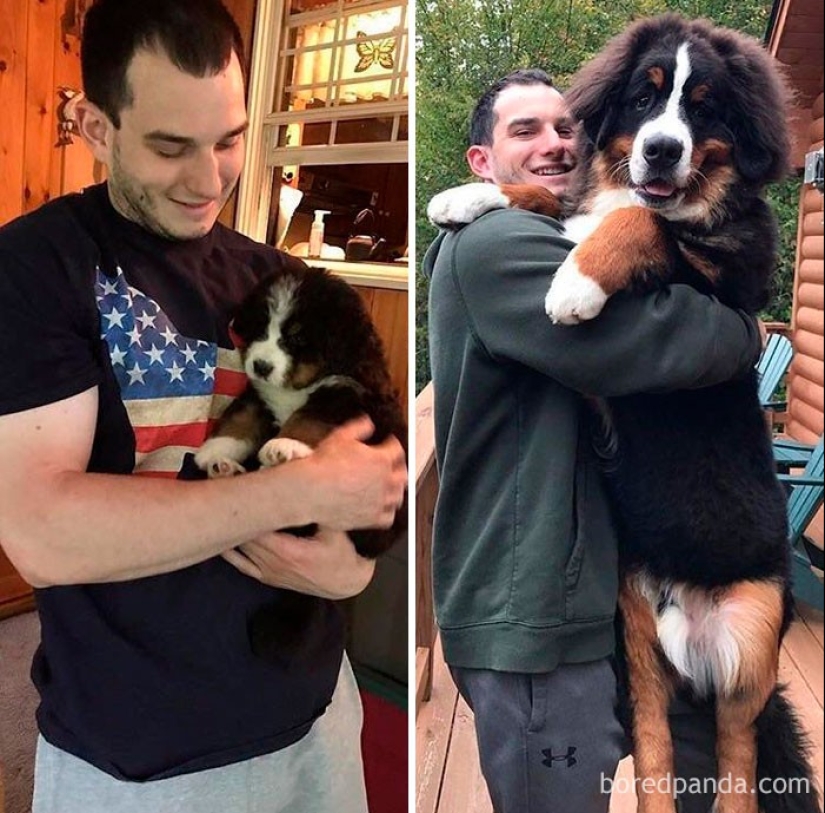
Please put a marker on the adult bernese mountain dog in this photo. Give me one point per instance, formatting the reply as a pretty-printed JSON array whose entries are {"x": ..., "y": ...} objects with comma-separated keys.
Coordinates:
[
  {"x": 314, "y": 360},
  {"x": 684, "y": 125}
]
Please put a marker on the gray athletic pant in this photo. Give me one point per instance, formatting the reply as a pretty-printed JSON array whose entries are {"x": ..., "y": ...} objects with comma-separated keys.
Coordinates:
[
  {"x": 550, "y": 743},
  {"x": 321, "y": 773}
]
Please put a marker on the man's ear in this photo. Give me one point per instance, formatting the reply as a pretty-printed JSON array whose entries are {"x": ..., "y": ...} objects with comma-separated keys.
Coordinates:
[
  {"x": 478, "y": 157},
  {"x": 95, "y": 128}
]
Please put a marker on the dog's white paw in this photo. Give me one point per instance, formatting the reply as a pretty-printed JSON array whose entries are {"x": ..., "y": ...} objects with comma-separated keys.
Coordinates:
[
  {"x": 463, "y": 204},
  {"x": 282, "y": 450},
  {"x": 222, "y": 456},
  {"x": 573, "y": 297}
]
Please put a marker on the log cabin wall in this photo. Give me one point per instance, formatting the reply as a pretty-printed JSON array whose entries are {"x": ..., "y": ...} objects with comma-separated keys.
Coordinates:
[
  {"x": 806, "y": 378},
  {"x": 39, "y": 53}
]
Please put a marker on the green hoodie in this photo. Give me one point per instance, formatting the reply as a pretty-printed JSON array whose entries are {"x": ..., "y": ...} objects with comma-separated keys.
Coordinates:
[{"x": 524, "y": 549}]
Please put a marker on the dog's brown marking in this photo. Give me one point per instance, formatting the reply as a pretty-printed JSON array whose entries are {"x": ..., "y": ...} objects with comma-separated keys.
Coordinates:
[
  {"x": 532, "y": 198},
  {"x": 308, "y": 430},
  {"x": 754, "y": 616},
  {"x": 608, "y": 170},
  {"x": 710, "y": 151},
  {"x": 245, "y": 419},
  {"x": 651, "y": 689},
  {"x": 701, "y": 264},
  {"x": 617, "y": 149},
  {"x": 302, "y": 375},
  {"x": 657, "y": 76},
  {"x": 710, "y": 189},
  {"x": 629, "y": 246},
  {"x": 699, "y": 92}
]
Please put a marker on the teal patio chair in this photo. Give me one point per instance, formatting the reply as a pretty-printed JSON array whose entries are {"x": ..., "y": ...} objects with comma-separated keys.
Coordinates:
[
  {"x": 805, "y": 496},
  {"x": 771, "y": 368}
]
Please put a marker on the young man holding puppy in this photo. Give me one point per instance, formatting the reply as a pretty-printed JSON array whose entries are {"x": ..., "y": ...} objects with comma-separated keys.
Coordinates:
[
  {"x": 151, "y": 699},
  {"x": 525, "y": 551}
]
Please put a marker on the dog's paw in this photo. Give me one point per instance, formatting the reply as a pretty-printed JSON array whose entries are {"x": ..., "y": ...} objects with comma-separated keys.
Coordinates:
[
  {"x": 573, "y": 297},
  {"x": 463, "y": 204},
  {"x": 282, "y": 450},
  {"x": 221, "y": 456}
]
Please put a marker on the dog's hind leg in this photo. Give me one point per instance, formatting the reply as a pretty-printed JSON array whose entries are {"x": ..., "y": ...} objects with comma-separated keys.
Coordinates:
[
  {"x": 751, "y": 613},
  {"x": 651, "y": 689}
]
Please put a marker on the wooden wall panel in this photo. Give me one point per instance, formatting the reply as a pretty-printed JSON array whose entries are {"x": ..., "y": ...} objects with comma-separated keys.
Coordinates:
[
  {"x": 13, "y": 27},
  {"x": 388, "y": 310},
  {"x": 805, "y": 380},
  {"x": 39, "y": 53},
  {"x": 805, "y": 399},
  {"x": 72, "y": 166},
  {"x": 41, "y": 96}
]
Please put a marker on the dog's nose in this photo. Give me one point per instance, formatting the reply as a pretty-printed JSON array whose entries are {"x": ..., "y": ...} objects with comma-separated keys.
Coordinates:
[
  {"x": 262, "y": 369},
  {"x": 662, "y": 152}
]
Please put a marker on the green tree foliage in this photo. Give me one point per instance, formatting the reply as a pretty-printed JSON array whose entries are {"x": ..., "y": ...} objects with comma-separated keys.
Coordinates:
[{"x": 463, "y": 46}]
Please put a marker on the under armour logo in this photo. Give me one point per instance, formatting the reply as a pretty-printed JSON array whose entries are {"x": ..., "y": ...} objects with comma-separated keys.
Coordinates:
[{"x": 549, "y": 759}]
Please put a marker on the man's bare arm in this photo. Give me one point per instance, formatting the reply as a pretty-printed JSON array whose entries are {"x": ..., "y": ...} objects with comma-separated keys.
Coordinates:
[{"x": 61, "y": 525}]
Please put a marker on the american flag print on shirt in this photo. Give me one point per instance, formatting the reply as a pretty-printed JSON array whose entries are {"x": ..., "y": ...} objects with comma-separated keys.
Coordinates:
[{"x": 174, "y": 387}]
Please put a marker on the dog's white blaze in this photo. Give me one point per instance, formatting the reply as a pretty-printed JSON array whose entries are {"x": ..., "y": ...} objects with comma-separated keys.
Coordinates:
[
  {"x": 668, "y": 123},
  {"x": 281, "y": 300}
]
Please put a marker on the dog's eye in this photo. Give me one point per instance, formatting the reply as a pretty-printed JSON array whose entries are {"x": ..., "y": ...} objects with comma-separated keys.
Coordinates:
[
  {"x": 642, "y": 101},
  {"x": 701, "y": 112}
]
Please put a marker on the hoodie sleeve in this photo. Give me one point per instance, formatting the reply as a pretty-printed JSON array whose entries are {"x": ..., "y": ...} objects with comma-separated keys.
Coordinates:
[{"x": 674, "y": 338}]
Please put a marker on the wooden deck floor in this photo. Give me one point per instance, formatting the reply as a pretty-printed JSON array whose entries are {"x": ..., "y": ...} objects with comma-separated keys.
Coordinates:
[{"x": 448, "y": 779}]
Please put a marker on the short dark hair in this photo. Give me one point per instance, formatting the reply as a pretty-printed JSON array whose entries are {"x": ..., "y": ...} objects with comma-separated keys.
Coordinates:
[
  {"x": 483, "y": 120},
  {"x": 198, "y": 36}
]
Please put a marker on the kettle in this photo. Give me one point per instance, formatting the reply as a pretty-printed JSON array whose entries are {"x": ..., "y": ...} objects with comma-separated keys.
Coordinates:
[{"x": 362, "y": 244}]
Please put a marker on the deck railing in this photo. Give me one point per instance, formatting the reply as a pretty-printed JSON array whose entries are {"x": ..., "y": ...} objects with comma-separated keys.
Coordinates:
[{"x": 426, "y": 484}]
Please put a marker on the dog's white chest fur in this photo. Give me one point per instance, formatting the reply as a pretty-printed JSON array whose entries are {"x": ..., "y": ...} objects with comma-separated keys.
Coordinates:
[
  {"x": 282, "y": 401},
  {"x": 581, "y": 226}
]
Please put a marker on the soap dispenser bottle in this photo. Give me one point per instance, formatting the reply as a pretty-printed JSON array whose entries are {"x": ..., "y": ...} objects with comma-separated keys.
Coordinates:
[{"x": 316, "y": 233}]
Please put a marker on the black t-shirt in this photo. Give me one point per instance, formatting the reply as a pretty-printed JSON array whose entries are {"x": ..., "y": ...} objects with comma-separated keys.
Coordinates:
[{"x": 153, "y": 677}]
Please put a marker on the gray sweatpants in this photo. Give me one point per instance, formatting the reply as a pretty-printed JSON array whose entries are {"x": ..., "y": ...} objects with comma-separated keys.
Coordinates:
[
  {"x": 550, "y": 743},
  {"x": 321, "y": 773}
]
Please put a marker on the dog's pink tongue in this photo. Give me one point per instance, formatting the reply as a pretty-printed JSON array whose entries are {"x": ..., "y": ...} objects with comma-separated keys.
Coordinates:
[{"x": 659, "y": 188}]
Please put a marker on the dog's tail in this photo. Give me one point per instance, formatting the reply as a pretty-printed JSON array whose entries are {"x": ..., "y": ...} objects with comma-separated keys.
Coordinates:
[{"x": 786, "y": 781}]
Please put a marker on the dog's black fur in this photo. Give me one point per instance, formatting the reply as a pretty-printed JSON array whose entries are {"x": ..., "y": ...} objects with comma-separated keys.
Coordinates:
[
  {"x": 692, "y": 472},
  {"x": 326, "y": 334}
]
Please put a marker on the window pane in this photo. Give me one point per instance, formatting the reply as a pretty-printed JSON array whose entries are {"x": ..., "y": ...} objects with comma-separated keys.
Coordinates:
[
  {"x": 354, "y": 56},
  {"x": 358, "y": 131},
  {"x": 369, "y": 200}
]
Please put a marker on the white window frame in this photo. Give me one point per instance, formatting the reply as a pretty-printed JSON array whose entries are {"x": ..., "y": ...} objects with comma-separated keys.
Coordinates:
[{"x": 262, "y": 153}]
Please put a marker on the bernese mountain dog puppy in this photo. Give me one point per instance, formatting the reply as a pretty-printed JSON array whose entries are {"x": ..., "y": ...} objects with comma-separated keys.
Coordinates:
[
  {"x": 684, "y": 125},
  {"x": 314, "y": 360}
]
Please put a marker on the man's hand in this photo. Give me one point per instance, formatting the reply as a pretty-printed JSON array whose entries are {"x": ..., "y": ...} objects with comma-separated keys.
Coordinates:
[
  {"x": 354, "y": 485},
  {"x": 325, "y": 565}
]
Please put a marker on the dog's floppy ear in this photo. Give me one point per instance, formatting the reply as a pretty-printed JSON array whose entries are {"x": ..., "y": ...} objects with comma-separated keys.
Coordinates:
[
  {"x": 756, "y": 107},
  {"x": 596, "y": 90},
  {"x": 250, "y": 318}
]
